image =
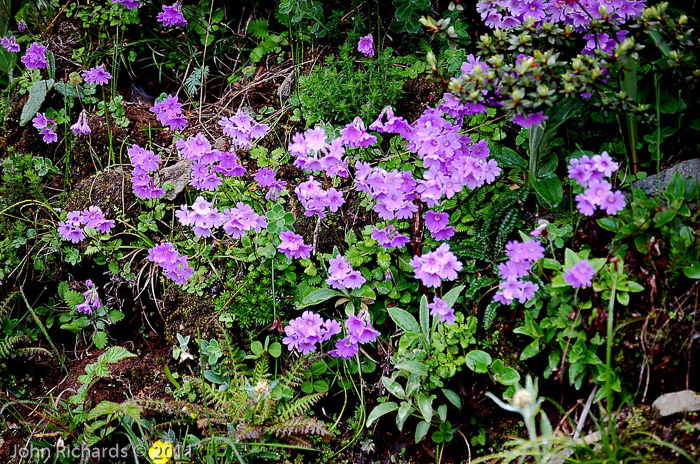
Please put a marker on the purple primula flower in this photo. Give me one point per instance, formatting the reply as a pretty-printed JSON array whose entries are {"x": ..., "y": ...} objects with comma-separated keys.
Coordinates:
[
  {"x": 10, "y": 44},
  {"x": 172, "y": 15},
  {"x": 438, "y": 225},
  {"x": 614, "y": 202},
  {"x": 580, "y": 275},
  {"x": 97, "y": 75},
  {"x": 293, "y": 246},
  {"x": 527, "y": 121},
  {"x": 355, "y": 134},
  {"x": 35, "y": 58},
  {"x": 21, "y": 25},
  {"x": 303, "y": 333},
  {"x": 521, "y": 258},
  {"x": 436, "y": 266},
  {"x": 265, "y": 177},
  {"x": 366, "y": 46},
  {"x": 169, "y": 113},
  {"x": 40, "y": 121},
  {"x": 81, "y": 126},
  {"x": 345, "y": 348},
  {"x": 72, "y": 228},
  {"x": 440, "y": 308},
  {"x": 144, "y": 161},
  {"x": 49, "y": 134},
  {"x": 130, "y": 4},
  {"x": 175, "y": 267},
  {"x": 92, "y": 299}
]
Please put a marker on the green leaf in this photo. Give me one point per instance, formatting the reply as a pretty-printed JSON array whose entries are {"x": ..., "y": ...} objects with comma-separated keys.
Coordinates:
[
  {"x": 404, "y": 320},
  {"x": 319, "y": 296},
  {"x": 37, "y": 95},
  {"x": 478, "y": 361},
  {"x": 114, "y": 355},
  {"x": 116, "y": 316},
  {"x": 413, "y": 367},
  {"x": 610, "y": 223},
  {"x": 321, "y": 386},
  {"x": 453, "y": 398},
  {"x": 404, "y": 411},
  {"x": 422, "y": 430},
  {"x": 394, "y": 387},
  {"x": 275, "y": 350},
  {"x": 505, "y": 157},
  {"x": 451, "y": 296},
  {"x": 258, "y": 28},
  {"x": 549, "y": 263},
  {"x": 257, "y": 348},
  {"x": 425, "y": 405},
  {"x": 424, "y": 318},
  {"x": 62, "y": 288},
  {"x": 100, "y": 339},
  {"x": 531, "y": 350},
  {"x": 549, "y": 190},
  {"x": 364, "y": 292},
  {"x": 379, "y": 411},
  {"x": 73, "y": 298}
]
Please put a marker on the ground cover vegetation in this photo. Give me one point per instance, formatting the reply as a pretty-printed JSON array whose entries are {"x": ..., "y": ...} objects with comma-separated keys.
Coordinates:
[{"x": 356, "y": 232}]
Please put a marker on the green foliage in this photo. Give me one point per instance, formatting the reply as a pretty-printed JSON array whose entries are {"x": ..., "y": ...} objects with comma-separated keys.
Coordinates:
[
  {"x": 408, "y": 14},
  {"x": 339, "y": 90},
  {"x": 37, "y": 95}
]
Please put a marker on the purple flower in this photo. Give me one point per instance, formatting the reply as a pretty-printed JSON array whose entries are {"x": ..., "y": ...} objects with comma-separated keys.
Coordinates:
[
  {"x": 265, "y": 177},
  {"x": 97, "y": 75},
  {"x": 49, "y": 134},
  {"x": 345, "y": 348},
  {"x": 293, "y": 246},
  {"x": 361, "y": 330},
  {"x": 92, "y": 299},
  {"x": 614, "y": 202},
  {"x": 72, "y": 228},
  {"x": 438, "y": 225},
  {"x": 440, "y": 308},
  {"x": 130, "y": 4},
  {"x": 40, "y": 121},
  {"x": 303, "y": 333},
  {"x": 10, "y": 44},
  {"x": 527, "y": 121},
  {"x": 355, "y": 134},
  {"x": 35, "y": 58},
  {"x": 366, "y": 46},
  {"x": 169, "y": 113},
  {"x": 175, "y": 267},
  {"x": 435, "y": 266},
  {"x": 81, "y": 126},
  {"x": 21, "y": 25},
  {"x": 580, "y": 275},
  {"x": 172, "y": 15}
]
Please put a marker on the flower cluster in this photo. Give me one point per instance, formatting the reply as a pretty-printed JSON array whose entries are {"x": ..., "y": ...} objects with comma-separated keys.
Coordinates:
[
  {"x": 203, "y": 218},
  {"x": 389, "y": 237},
  {"x": 342, "y": 275},
  {"x": 169, "y": 113},
  {"x": 315, "y": 200},
  {"x": 303, "y": 333},
  {"x": 433, "y": 267},
  {"x": 293, "y": 246},
  {"x": 175, "y": 266},
  {"x": 439, "y": 307},
  {"x": 172, "y": 16},
  {"x": 207, "y": 162},
  {"x": 355, "y": 134},
  {"x": 10, "y": 44},
  {"x": 92, "y": 299},
  {"x": 243, "y": 128},
  {"x": 366, "y": 46},
  {"x": 590, "y": 173},
  {"x": 81, "y": 126},
  {"x": 73, "y": 228},
  {"x": 46, "y": 126},
  {"x": 35, "y": 58},
  {"x": 499, "y": 14},
  {"x": 97, "y": 75},
  {"x": 521, "y": 257},
  {"x": 314, "y": 153},
  {"x": 130, "y": 4},
  {"x": 580, "y": 275},
  {"x": 359, "y": 330},
  {"x": 266, "y": 178},
  {"x": 144, "y": 161},
  {"x": 394, "y": 191},
  {"x": 439, "y": 225}
]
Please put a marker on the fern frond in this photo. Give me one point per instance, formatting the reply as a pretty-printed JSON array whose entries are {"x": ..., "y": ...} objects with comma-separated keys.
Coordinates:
[
  {"x": 248, "y": 432},
  {"x": 262, "y": 371},
  {"x": 296, "y": 373},
  {"x": 5, "y": 305},
  {"x": 7, "y": 346},
  {"x": 32, "y": 350},
  {"x": 299, "y": 425},
  {"x": 299, "y": 406}
]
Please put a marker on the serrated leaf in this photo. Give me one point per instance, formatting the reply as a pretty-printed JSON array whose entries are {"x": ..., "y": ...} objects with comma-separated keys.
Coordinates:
[
  {"x": 62, "y": 288},
  {"x": 37, "y": 95},
  {"x": 115, "y": 354},
  {"x": 100, "y": 339},
  {"x": 73, "y": 298},
  {"x": 259, "y": 28}
]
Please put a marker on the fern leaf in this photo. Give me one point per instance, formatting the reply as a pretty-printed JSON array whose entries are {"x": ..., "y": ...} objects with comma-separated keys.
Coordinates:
[
  {"x": 262, "y": 371},
  {"x": 5, "y": 305},
  {"x": 248, "y": 432},
  {"x": 32, "y": 350},
  {"x": 7, "y": 346},
  {"x": 299, "y": 406},
  {"x": 300, "y": 425}
]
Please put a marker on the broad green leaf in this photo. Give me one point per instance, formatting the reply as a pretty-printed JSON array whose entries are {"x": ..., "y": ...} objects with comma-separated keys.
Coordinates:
[
  {"x": 114, "y": 355},
  {"x": 424, "y": 318},
  {"x": 379, "y": 411},
  {"x": 394, "y": 387},
  {"x": 364, "y": 292},
  {"x": 549, "y": 190},
  {"x": 404, "y": 320},
  {"x": 319, "y": 296},
  {"x": 37, "y": 95},
  {"x": 478, "y": 361},
  {"x": 275, "y": 350},
  {"x": 405, "y": 410},
  {"x": 425, "y": 405},
  {"x": 422, "y": 430},
  {"x": 100, "y": 339},
  {"x": 505, "y": 157},
  {"x": 413, "y": 367},
  {"x": 452, "y": 397},
  {"x": 451, "y": 296}
]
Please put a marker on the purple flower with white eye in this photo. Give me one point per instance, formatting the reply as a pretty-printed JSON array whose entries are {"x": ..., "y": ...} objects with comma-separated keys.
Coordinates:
[
  {"x": 172, "y": 16},
  {"x": 293, "y": 246},
  {"x": 169, "y": 113},
  {"x": 97, "y": 75},
  {"x": 355, "y": 134},
  {"x": 597, "y": 191},
  {"x": 438, "y": 225},
  {"x": 21, "y": 25},
  {"x": 366, "y": 46},
  {"x": 614, "y": 202},
  {"x": 436, "y": 266},
  {"x": 580, "y": 275},
  {"x": 10, "y": 44},
  {"x": 265, "y": 177},
  {"x": 35, "y": 58},
  {"x": 40, "y": 121},
  {"x": 345, "y": 348},
  {"x": 439, "y": 307}
]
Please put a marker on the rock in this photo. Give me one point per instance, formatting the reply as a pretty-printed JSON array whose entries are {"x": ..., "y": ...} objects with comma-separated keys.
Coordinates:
[
  {"x": 673, "y": 403},
  {"x": 690, "y": 168},
  {"x": 178, "y": 175}
]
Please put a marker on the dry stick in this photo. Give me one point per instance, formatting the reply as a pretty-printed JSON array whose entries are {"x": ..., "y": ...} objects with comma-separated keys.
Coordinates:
[{"x": 584, "y": 413}]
